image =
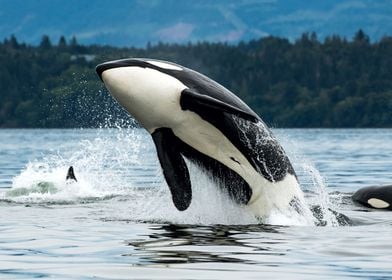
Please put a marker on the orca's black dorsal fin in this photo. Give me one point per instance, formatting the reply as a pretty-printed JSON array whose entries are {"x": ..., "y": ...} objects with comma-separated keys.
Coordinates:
[
  {"x": 71, "y": 174},
  {"x": 174, "y": 167}
]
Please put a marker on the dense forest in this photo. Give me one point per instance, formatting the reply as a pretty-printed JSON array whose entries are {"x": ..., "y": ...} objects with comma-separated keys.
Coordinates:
[{"x": 336, "y": 82}]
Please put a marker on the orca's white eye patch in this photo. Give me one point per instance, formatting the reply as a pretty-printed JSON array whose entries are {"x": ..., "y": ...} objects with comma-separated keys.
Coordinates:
[
  {"x": 378, "y": 203},
  {"x": 164, "y": 65}
]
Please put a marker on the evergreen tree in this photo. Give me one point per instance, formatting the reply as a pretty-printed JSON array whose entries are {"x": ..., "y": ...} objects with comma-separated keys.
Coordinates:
[
  {"x": 45, "y": 44},
  {"x": 62, "y": 43}
]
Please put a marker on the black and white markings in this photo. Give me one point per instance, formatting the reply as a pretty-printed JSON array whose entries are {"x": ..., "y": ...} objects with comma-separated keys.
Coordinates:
[
  {"x": 378, "y": 197},
  {"x": 177, "y": 104}
]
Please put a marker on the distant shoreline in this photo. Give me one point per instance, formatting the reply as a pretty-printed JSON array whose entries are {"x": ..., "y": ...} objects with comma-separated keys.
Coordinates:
[{"x": 336, "y": 83}]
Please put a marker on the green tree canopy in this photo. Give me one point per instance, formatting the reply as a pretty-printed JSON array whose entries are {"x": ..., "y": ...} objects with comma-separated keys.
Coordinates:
[{"x": 304, "y": 83}]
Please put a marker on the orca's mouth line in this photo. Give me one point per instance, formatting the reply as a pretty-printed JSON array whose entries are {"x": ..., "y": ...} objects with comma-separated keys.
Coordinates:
[
  {"x": 128, "y": 62},
  {"x": 119, "y": 63}
]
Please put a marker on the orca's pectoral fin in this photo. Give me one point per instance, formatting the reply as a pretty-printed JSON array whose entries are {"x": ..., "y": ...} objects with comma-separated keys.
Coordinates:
[
  {"x": 191, "y": 100},
  {"x": 71, "y": 174},
  {"x": 174, "y": 167}
]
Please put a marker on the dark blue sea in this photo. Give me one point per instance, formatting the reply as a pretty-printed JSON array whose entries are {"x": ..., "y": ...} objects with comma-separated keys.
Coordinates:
[{"x": 118, "y": 222}]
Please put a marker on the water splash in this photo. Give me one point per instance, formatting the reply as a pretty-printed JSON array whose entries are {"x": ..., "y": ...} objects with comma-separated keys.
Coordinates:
[
  {"x": 321, "y": 205},
  {"x": 324, "y": 209},
  {"x": 120, "y": 166},
  {"x": 209, "y": 205},
  {"x": 99, "y": 164}
]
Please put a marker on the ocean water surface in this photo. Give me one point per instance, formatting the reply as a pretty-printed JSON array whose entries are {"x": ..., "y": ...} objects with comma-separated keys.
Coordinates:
[{"x": 118, "y": 222}]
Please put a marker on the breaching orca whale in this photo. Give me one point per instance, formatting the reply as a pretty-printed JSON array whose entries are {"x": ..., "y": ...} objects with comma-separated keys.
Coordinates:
[
  {"x": 191, "y": 116},
  {"x": 379, "y": 197}
]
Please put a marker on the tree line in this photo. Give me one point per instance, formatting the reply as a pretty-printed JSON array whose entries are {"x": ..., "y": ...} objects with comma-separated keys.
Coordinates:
[{"x": 336, "y": 82}]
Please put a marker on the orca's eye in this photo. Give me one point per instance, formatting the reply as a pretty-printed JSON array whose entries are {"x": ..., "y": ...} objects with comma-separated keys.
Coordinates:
[{"x": 233, "y": 159}]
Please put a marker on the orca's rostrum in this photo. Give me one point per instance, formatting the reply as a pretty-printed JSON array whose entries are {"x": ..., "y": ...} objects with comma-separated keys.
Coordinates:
[{"x": 192, "y": 116}]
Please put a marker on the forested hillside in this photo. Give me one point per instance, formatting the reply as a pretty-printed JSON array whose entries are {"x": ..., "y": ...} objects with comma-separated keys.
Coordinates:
[{"x": 306, "y": 83}]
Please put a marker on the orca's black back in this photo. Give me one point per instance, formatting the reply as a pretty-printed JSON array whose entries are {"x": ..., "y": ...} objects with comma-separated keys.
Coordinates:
[{"x": 383, "y": 193}]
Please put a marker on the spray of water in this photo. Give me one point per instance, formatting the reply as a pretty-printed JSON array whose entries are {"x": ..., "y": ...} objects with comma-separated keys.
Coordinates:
[
  {"x": 119, "y": 166},
  {"x": 99, "y": 164},
  {"x": 324, "y": 210},
  {"x": 321, "y": 203},
  {"x": 209, "y": 205}
]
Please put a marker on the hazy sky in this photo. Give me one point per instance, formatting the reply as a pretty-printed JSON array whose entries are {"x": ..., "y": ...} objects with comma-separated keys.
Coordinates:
[{"x": 134, "y": 22}]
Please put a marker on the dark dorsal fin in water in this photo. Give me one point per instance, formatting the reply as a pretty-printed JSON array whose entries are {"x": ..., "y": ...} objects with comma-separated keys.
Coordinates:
[{"x": 71, "y": 174}]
